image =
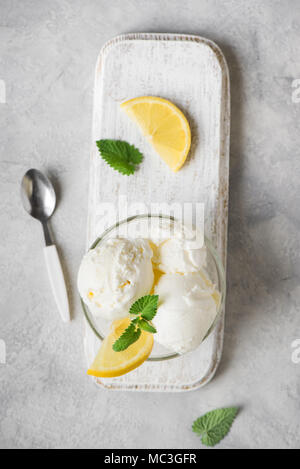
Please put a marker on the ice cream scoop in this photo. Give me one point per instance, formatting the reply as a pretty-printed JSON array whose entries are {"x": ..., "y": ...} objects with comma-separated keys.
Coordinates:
[
  {"x": 188, "y": 306},
  {"x": 177, "y": 255},
  {"x": 114, "y": 275}
]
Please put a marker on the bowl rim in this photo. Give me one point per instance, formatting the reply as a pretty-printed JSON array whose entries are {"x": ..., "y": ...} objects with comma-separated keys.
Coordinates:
[{"x": 212, "y": 251}]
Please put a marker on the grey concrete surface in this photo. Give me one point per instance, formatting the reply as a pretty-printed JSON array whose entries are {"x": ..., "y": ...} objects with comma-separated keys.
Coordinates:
[{"x": 48, "y": 51}]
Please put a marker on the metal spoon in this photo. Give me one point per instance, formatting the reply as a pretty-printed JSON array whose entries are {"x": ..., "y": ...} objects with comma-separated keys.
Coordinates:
[{"x": 38, "y": 197}]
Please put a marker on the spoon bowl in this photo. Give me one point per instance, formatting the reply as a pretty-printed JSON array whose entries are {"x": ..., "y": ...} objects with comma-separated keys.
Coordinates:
[{"x": 38, "y": 195}]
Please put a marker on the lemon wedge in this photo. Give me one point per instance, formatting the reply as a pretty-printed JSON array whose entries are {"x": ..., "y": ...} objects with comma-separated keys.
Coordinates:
[
  {"x": 164, "y": 125},
  {"x": 109, "y": 364}
]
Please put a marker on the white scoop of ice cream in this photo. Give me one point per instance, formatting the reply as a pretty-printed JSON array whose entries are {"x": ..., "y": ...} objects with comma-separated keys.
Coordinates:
[
  {"x": 187, "y": 308},
  {"x": 114, "y": 275},
  {"x": 177, "y": 255}
]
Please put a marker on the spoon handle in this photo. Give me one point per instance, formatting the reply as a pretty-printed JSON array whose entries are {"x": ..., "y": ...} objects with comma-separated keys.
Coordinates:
[
  {"x": 57, "y": 281},
  {"x": 47, "y": 235}
]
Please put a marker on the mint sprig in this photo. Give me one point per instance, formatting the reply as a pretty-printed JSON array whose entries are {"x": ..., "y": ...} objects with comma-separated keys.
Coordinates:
[
  {"x": 146, "y": 306},
  {"x": 120, "y": 155},
  {"x": 129, "y": 336},
  {"x": 146, "y": 326},
  {"x": 144, "y": 310},
  {"x": 215, "y": 425}
]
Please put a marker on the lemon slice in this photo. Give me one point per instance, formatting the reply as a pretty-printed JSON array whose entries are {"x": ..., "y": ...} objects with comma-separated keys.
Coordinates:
[
  {"x": 109, "y": 364},
  {"x": 164, "y": 125}
]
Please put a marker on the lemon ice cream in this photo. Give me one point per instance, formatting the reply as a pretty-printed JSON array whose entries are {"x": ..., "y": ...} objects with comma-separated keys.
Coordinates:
[
  {"x": 177, "y": 255},
  {"x": 188, "y": 307},
  {"x": 114, "y": 275},
  {"x": 155, "y": 259}
]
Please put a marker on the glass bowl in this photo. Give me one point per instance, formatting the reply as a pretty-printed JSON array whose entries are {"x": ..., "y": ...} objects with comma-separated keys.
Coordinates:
[{"x": 214, "y": 269}]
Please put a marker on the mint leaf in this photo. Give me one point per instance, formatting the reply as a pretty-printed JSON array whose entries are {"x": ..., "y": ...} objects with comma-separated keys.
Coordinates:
[
  {"x": 120, "y": 155},
  {"x": 215, "y": 425},
  {"x": 144, "y": 309},
  {"x": 129, "y": 336},
  {"x": 146, "y": 326},
  {"x": 146, "y": 306}
]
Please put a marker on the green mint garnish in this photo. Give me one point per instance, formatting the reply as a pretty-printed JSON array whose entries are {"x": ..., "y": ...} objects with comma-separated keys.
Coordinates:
[
  {"x": 120, "y": 155},
  {"x": 146, "y": 326},
  {"x": 215, "y": 425},
  {"x": 129, "y": 336},
  {"x": 146, "y": 306},
  {"x": 144, "y": 310}
]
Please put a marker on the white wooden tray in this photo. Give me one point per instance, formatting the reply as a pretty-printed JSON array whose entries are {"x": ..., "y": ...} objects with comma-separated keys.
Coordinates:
[{"x": 190, "y": 71}]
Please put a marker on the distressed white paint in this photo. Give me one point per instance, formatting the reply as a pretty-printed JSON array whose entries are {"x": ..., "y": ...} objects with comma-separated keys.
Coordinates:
[{"x": 191, "y": 72}]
